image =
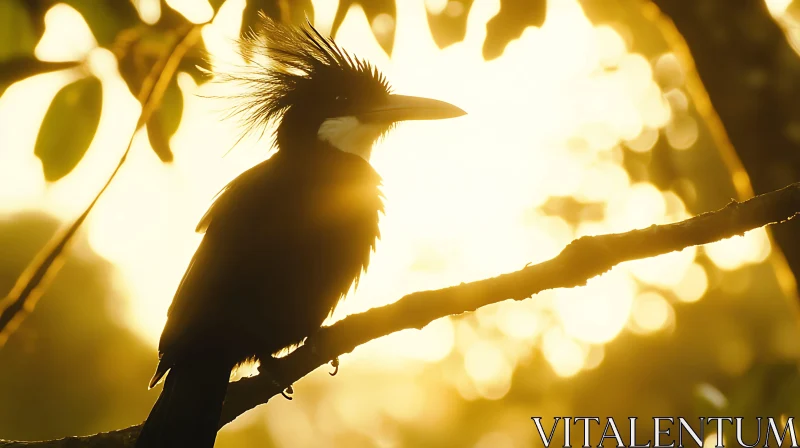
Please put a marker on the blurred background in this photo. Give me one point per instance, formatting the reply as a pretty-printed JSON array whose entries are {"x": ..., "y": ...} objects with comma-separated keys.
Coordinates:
[{"x": 585, "y": 117}]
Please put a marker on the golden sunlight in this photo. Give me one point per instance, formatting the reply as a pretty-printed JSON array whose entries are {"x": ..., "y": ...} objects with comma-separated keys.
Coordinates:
[{"x": 463, "y": 196}]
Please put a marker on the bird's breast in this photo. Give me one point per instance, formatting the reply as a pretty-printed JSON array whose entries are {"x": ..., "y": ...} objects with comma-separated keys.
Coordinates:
[
  {"x": 284, "y": 242},
  {"x": 312, "y": 243}
]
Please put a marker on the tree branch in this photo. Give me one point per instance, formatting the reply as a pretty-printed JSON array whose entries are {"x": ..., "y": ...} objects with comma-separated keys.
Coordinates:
[
  {"x": 584, "y": 258},
  {"x": 747, "y": 76}
]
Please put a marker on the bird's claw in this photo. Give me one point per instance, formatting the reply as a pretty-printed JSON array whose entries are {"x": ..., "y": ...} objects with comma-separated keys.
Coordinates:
[
  {"x": 285, "y": 392},
  {"x": 288, "y": 391},
  {"x": 270, "y": 367},
  {"x": 335, "y": 365}
]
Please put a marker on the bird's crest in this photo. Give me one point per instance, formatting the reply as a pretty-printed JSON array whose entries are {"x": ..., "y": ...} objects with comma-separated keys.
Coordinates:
[{"x": 301, "y": 65}]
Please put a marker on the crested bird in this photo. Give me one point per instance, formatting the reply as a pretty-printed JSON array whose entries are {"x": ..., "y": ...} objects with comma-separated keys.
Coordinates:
[{"x": 286, "y": 239}]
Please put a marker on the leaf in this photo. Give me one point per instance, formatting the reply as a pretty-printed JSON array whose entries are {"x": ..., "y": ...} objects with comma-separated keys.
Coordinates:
[
  {"x": 17, "y": 33},
  {"x": 372, "y": 9},
  {"x": 69, "y": 126},
  {"x": 195, "y": 62},
  {"x": 295, "y": 12},
  {"x": 510, "y": 22},
  {"x": 450, "y": 25},
  {"x": 106, "y": 18},
  {"x": 250, "y": 14},
  {"x": 171, "y": 19},
  {"x": 139, "y": 55},
  {"x": 165, "y": 121}
]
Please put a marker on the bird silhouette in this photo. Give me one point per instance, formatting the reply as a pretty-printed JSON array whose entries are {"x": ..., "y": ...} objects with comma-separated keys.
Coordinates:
[{"x": 286, "y": 239}]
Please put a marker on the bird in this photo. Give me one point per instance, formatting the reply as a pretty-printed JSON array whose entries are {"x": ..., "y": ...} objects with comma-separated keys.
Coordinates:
[{"x": 285, "y": 240}]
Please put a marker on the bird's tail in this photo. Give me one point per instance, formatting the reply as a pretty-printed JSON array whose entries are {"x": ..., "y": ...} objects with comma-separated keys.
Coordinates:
[{"x": 188, "y": 410}]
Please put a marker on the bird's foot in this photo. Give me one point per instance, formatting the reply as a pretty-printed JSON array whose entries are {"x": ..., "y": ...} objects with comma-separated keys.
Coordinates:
[
  {"x": 286, "y": 392},
  {"x": 311, "y": 342},
  {"x": 269, "y": 366},
  {"x": 335, "y": 365}
]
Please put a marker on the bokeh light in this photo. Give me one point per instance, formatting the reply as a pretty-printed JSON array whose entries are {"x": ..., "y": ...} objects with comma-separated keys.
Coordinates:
[{"x": 466, "y": 198}]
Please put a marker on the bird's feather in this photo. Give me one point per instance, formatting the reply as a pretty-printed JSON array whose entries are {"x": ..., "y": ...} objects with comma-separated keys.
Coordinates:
[
  {"x": 283, "y": 244},
  {"x": 300, "y": 64}
]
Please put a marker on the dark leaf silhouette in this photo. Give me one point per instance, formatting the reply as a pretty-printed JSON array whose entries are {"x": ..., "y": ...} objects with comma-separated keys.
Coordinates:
[
  {"x": 141, "y": 55},
  {"x": 285, "y": 11},
  {"x": 165, "y": 121},
  {"x": 450, "y": 25},
  {"x": 30, "y": 284},
  {"x": 251, "y": 10},
  {"x": 296, "y": 13},
  {"x": 69, "y": 126},
  {"x": 195, "y": 62},
  {"x": 510, "y": 22},
  {"x": 170, "y": 19},
  {"x": 381, "y": 15}
]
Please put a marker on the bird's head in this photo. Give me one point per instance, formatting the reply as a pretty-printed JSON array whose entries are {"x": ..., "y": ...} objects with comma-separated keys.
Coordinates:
[{"x": 317, "y": 92}]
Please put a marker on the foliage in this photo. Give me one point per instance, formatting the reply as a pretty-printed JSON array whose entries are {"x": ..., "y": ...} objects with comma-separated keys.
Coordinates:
[
  {"x": 63, "y": 144},
  {"x": 149, "y": 57},
  {"x": 137, "y": 45}
]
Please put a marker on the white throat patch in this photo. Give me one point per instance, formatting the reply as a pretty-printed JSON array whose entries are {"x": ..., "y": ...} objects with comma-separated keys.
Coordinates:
[{"x": 347, "y": 134}]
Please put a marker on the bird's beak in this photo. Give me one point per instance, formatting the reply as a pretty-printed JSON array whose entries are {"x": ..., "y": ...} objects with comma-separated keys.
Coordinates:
[{"x": 402, "y": 107}]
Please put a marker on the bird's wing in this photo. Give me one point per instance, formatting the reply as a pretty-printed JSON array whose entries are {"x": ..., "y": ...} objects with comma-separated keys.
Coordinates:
[
  {"x": 283, "y": 243},
  {"x": 204, "y": 285},
  {"x": 223, "y": 198}
]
